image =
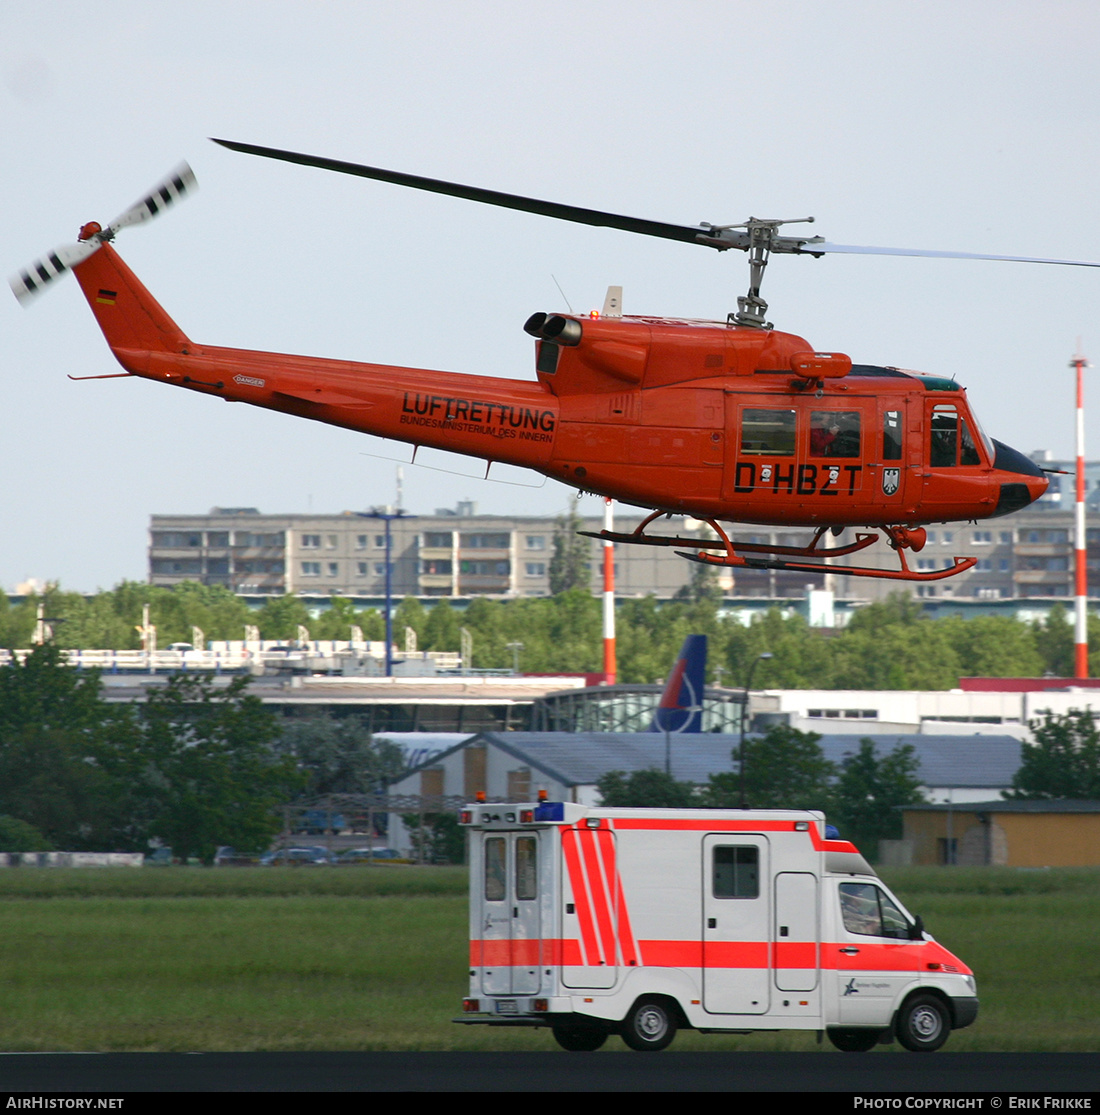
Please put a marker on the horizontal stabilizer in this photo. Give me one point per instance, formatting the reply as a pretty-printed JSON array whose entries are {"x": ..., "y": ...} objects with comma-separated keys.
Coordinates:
[{"x": 325, "y": 396}]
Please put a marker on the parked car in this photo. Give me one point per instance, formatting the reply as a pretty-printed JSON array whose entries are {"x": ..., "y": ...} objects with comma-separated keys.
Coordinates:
[
  {"x": 363, "y": 855},
  {"x": 297, "y": 857},
  {"x": 227, "y": 856}
]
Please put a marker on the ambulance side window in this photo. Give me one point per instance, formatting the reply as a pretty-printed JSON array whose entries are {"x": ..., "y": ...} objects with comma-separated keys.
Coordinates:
[
  {"x": 526, "y": 867},
  {"x": 736, "y": 872},
  {"x": 868, "y": 911},
  {"x": 495, "y": 877}
]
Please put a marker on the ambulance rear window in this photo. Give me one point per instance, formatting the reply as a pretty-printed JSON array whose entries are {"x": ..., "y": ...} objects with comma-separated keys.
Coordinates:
[
  {"x": 736, "y": 872},
  {"x": 526, "y": 867},
  {"x": 495, "y": 877}
]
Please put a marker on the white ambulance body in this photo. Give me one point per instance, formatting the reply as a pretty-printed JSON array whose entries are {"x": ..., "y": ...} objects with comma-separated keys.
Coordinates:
[{"x": 596, "y": 921}]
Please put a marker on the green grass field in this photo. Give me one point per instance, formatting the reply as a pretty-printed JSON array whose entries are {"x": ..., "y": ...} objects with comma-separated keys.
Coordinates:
[{"x": 374, "y": 958}]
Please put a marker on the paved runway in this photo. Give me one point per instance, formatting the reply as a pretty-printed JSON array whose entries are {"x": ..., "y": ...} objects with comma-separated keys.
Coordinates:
[{"x": 109, "y": 1074}]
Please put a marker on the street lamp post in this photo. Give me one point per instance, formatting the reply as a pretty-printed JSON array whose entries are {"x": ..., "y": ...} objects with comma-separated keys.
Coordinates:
[
  {"x": 387, "y": 516},
  {"x": 744, "y": 705}
]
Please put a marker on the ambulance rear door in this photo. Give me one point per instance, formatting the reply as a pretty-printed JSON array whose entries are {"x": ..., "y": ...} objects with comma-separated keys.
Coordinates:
[{"x": 510, "y": 941}]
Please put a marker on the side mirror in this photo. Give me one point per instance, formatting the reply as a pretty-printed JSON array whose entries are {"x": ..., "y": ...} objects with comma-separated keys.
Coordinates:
[{"x": 916, "y": 930}]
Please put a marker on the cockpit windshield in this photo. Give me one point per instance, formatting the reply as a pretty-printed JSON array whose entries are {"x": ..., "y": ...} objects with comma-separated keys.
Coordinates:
[
  {"x": 951, "y": 438},
  {"x": 989, "y": 449}
]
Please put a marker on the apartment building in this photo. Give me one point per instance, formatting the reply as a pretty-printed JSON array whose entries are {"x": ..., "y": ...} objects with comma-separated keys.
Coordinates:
[
  {"x": 459, "y": 552},
  {"x": 450, "y": 553}
]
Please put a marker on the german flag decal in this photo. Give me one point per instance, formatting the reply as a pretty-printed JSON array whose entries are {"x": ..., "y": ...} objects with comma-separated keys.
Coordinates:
[{"x": 106, "y": 297}]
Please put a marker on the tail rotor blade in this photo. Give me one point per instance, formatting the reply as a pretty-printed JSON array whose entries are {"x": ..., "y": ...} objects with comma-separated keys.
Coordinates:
[
  {"x": 34, "y": 279},
  {"x": 176, "y": 186}
]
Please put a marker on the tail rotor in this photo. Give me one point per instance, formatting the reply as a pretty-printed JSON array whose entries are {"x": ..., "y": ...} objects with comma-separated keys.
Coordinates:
[{"x": 34, "y": 279}]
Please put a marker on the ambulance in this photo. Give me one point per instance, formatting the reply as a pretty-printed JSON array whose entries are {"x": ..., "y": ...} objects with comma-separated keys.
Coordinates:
[{"x": 595, "y": 921}]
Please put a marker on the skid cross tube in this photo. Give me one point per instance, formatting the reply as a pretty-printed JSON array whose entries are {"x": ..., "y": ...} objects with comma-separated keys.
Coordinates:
[
  {"x": 904, "y": 574},
  {"x": 898, "y": 538},
  {"x": 724, "y": 542}
]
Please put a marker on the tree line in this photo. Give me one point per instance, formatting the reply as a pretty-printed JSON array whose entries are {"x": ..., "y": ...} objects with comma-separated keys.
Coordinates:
[
  {"x": 888, "y": 645},
  {"x": 787, "y": 769},
  {"x": 192, "y": 767},
  {"x": 195, "y": 766}
]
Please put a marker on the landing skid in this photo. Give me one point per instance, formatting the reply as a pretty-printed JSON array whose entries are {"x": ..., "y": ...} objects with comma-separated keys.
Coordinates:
[{"x": 900, "y": 539}]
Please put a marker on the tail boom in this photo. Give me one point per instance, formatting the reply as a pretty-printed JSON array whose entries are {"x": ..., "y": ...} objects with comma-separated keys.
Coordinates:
[{"x": 512, "y": 421}]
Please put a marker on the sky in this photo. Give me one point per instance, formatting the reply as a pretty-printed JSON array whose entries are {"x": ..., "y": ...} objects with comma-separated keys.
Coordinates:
[{"x": 969, "y": 126}]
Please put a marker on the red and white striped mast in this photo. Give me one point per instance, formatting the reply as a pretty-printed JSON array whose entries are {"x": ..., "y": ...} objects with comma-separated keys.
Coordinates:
[
  {"x": 609, "y": 668},
  {"x": 1081, "y": 565}
]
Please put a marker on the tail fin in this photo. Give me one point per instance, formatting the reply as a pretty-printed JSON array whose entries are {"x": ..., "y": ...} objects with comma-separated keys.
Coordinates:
[
  {"x": 681, "y": 706},
  {"x": 130, "y": 317}
]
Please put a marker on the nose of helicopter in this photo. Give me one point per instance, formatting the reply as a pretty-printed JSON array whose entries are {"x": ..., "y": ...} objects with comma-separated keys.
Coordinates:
[{"x": 1025, "y": 483}]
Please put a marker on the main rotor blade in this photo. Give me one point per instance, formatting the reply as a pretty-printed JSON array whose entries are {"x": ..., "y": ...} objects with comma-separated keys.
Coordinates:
[
  {"x": 690, "y": 234},
  {"x": 709, "y": 236},
  {"x": 853, "y": 249}
]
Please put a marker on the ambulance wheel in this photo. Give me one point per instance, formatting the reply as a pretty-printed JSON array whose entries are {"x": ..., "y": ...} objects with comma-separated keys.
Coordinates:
[
  {"x": 649, "y": 1026},
  {"x": 854, "y": 1041},
  {"x": 923, "y": 1024},
  {"x": 578, "y": 1037}
]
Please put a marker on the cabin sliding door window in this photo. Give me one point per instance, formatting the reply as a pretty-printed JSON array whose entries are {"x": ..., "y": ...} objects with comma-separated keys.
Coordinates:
[
  {"x": 767, "y": 433},
  {"x": 834, "y": 433}
]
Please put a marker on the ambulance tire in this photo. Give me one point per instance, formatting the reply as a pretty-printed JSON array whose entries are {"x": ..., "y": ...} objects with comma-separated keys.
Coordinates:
[
  {"x": 855, "y": 1040},
  {"x": 649, "y": 1026},
  {"x": 577, "y": 1037},
  {"x": 923, "y": 1024}
]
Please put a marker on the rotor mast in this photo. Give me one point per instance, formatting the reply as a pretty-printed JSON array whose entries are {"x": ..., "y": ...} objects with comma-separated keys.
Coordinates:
[{"x": 760, "y": 238}]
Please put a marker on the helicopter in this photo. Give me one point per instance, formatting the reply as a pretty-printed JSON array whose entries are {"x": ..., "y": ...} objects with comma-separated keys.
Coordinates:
[{"x": 728, "y": 422}]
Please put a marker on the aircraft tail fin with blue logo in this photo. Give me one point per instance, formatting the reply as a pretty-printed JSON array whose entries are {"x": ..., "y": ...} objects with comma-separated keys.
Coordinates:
[{"x": 680, "y": 708}]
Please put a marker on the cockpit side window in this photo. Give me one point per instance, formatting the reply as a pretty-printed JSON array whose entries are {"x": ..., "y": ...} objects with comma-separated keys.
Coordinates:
[
  {"x": 944, "y": 435},
  {"x": 951, "y": 442},
  {"x": 891, "y": 435}
]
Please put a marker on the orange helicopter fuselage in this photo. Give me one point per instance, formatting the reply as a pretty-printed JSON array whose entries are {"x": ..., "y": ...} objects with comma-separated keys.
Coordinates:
[{"x": 694, "y": 417}]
